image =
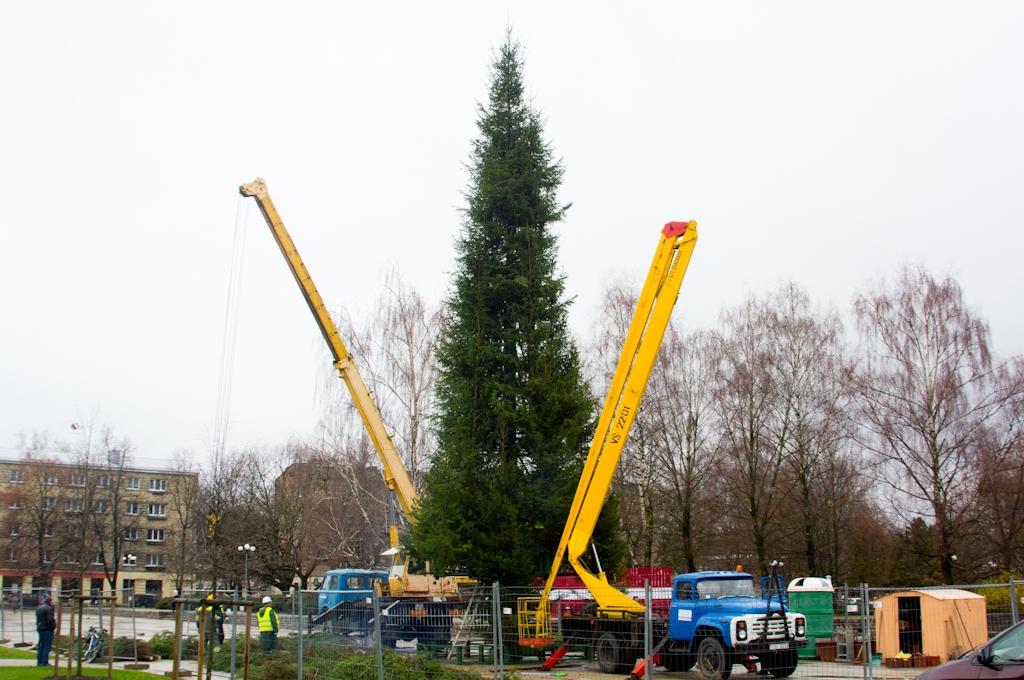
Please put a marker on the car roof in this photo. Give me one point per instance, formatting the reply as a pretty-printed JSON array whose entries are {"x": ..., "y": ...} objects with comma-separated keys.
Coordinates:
[
  {"x": 702, "y": 575},
  {"x": 355, "y": 572}
]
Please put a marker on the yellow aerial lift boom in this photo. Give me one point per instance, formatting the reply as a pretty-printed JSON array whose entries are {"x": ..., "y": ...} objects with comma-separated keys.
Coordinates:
[
  {"x": 646, "y": 330},
  {"x": 395, "y": 475}
]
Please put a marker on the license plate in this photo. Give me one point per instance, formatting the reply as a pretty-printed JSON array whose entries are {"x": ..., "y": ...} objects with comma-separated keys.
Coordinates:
[{"x": 779, "y": 645}]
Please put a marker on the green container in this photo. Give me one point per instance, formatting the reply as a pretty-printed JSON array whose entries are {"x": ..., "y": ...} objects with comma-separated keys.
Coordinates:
[{"x": 812, "y": 597}]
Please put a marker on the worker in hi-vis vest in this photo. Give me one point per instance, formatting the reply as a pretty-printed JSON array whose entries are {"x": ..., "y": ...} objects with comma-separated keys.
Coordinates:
[{"x": 267, "y": 619}]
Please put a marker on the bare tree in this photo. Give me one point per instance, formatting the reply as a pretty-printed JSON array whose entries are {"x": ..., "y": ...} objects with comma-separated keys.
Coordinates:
[
  {"x": 351, "y": 508},
  {"x": 221, "y": 510},
  {"x": 755, "y": 421},
  {"x": 33, "y": 527},
  {"x": 810, "y": 376},
  {"x": 925, "y": 392},
  {"x": 183, "y": 496},
  {"x": 395, "y": 353},
  {"x": 1000, "y": 460},
  {"x": 108, "y": 521},
  {"x": 637, "y": 474},
  {"x": 85, "y": 456},
  {"x": 680, "y": 406}
]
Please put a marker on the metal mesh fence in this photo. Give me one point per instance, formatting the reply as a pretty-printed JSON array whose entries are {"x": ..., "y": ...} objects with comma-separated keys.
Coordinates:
[{"x": 492, "y": 630}]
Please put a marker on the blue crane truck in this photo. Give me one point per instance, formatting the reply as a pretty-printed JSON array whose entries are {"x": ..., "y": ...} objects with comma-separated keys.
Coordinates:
[
  {"x": 715, "y": 620},
  {"x": 345, "y": 608}
]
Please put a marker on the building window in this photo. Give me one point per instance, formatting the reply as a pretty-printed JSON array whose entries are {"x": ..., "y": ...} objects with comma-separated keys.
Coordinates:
[
  {"x": 131, "y": 508},
  {"x": 157, "y": 510},
  {"x": 103, "y": 481},
  {"x": 77, "y": 479},
  {"x": 69, "y": 559},
  {"x": 47, "y": 559},
  {"x": 15, "y": 530},
  {"x": 15, "y": 505},
  {"x": 131, "y": 534},
  {"x": 49, "y": 503},
  {"x": 132, "y": 483},
  {"x": 158, "y": 485},
  {"x": 97, "y": 558},
  {"x": 99, "y": 507},
  {"x": 74, "y": 505},
  {"x": 48, "y": 531},
  {"x": 154, "y": 560},
  {"x": 154, "y": 535},
  {"x": 12, "y": 556},
  {"x": 76, "y": 532},
  {"x": 52, "y": 478},
  {"x": 129, "y": 561},
  {"x": 17, "y": 475}
]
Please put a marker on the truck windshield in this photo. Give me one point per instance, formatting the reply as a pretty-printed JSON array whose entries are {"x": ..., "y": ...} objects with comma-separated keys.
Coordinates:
[{"x": 733, "y": 587}]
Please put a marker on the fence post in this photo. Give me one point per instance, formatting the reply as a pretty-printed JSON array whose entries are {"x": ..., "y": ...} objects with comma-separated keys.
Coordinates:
[
  {"x": 500, "y": 651},
  {"x": 135, "y": 634},
  {"x": 178, "y": 632},
  {"x": 866, "y": 628},
  {"x": 298, "y": 624},
  {"x": 648, "y": 629},
  {"x": 234, "y": 631},
  {"x": 379, "y": 637},
  {"x": 21, "y": 617},
  {"x": 1013, "y": 601},
  {"x": 495, "y": 618}
]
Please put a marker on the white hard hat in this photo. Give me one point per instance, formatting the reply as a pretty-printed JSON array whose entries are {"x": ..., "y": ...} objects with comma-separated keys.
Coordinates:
[{"x": 267, "y": 600}]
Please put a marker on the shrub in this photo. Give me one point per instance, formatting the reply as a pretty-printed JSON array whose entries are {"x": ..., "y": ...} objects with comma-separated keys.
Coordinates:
[
  {"x": 125, "y": 648},
  {"x": 164, "y": 603},
  {"x": 163, "y": 645}
]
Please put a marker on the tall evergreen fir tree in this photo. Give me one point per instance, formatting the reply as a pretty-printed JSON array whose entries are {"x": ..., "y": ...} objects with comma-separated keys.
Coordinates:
[{"x": 515, "y": 414}]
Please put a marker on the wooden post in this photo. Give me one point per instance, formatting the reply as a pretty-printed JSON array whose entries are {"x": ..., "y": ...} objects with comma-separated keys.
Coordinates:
[
  {"x": 175, "y": 666},
  {"x": 201, "y": 652}
]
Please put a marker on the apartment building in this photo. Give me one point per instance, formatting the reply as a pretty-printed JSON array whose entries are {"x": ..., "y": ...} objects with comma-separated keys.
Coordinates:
[{"x": 63, "y": 525}]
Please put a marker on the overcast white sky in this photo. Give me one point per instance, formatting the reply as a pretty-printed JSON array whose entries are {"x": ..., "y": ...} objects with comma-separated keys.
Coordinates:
[{"x": 823, "y": 142}]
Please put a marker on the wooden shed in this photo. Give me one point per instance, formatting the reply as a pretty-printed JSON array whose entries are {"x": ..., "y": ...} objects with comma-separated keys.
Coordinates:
[{"x": 942, "y": 622}]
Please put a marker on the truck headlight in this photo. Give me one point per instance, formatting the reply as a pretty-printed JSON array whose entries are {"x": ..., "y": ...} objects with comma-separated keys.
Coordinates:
[
  {"x": 800, "y": 626},
  {"x": 741, "y": 630}
]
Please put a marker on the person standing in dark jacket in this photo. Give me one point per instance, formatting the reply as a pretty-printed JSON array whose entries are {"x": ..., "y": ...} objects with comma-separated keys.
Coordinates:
[{"x": 45, "y": 625}]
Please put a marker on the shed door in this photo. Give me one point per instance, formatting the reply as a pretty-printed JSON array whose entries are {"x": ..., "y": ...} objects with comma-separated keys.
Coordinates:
[{"x": 909, "y": 617}]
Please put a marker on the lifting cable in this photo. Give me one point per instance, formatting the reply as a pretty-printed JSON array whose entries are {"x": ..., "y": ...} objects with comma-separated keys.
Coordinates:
[{"x": 230, "y": 333}]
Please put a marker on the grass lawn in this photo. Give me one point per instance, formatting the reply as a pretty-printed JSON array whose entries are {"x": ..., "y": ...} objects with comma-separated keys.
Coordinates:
[
  {"x": 34, "y": 673},
  {"x": 12, "y": 653}
]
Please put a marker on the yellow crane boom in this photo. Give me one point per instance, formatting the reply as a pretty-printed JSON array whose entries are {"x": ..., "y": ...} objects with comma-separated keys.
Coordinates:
[
  {"x": 395, "y": 475},
  {"x": 646, "y": 330}
]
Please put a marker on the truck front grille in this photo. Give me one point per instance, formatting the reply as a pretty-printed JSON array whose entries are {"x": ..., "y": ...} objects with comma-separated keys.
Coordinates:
[{"x": 776, "y": 629}]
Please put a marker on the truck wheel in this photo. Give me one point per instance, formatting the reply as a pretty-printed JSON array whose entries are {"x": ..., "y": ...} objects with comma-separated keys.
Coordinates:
[
  {"x": 677, "y": 661},
  {"x": 780, "y": 664},
  {"x": 610, "y": 654},
  {"x": 712, "y": 661}
]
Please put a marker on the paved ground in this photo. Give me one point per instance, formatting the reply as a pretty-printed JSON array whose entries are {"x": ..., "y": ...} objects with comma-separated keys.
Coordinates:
[
  {"x": 16, "y": 626},
  {"x": 807, "y": 670}
]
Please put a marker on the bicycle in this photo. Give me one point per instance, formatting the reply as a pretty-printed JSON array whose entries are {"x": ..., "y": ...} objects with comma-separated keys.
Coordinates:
[{"x": 91, "y": 647}]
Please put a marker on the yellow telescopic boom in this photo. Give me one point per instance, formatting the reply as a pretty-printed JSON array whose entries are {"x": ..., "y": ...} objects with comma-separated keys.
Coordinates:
[
  {"x": 643, "y": 339},
  {"x": 395, "y": 475}
]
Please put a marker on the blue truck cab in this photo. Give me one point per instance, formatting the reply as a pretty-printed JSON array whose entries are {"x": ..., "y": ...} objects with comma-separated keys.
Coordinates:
[
  {"x": 348, "y": 585},
  {"x": 716, "y": 619}
]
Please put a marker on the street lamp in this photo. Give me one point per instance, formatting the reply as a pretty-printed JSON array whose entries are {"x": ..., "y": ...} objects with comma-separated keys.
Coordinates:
[{"x": 247, "y": 550}]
